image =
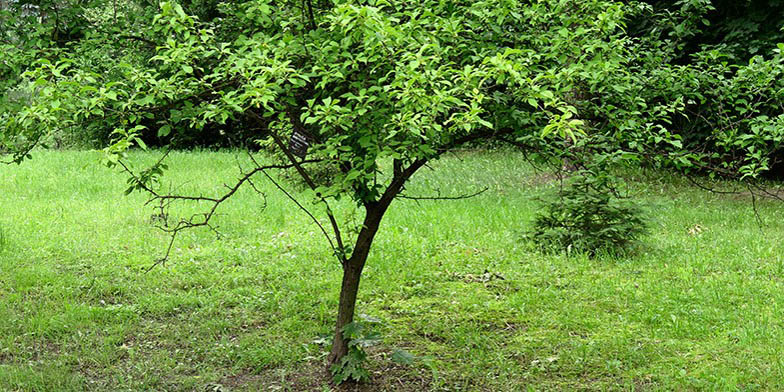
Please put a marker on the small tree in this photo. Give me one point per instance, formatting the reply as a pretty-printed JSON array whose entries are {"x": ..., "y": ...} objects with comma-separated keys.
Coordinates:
[
  {"x": 371, "y": 93},
  {"x": 587, "y": 217}
]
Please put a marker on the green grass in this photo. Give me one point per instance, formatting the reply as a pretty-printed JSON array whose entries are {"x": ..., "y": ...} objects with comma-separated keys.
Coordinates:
[{"x": 691, "y": 310}]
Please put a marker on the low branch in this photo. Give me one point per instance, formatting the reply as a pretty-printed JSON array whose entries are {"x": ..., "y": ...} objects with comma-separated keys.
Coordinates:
[
  {"x": 305, "y": 177},
  {"x": 312, "y": 217},
  {"x": 201, "y": 219},
  {"x": 439, "y": 197},
  {"x": 149, "y": 42},
  {"x": 19, "y": 156}
]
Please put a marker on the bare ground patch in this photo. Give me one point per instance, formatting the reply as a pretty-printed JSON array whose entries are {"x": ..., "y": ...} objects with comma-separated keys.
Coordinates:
[
  {"x": 313, "y": 376},
  {"x": 769, "y": 194}
]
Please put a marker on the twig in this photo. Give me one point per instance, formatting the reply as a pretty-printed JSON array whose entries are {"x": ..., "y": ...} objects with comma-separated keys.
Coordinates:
[
  {"x": 439, "y": 197},
  {"x": 201, "y": 219},
  {"x": 321, "y": 227},
  {"x": 305, "y": 176}
]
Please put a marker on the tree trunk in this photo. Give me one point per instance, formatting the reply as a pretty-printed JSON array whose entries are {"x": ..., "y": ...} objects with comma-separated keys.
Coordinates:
[
  {"x": 352, "y": 268},
  {"x": 348, "y": 298},
  {"x": 352, "y": 271}
]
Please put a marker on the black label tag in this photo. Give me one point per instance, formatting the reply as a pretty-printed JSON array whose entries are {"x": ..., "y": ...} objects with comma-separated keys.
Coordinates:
[{"x": 299, "y": 143}]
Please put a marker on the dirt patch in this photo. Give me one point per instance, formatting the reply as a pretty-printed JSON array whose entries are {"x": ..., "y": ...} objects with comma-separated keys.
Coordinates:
[
  {"x": 768, "y": 194},
  {"x": 313, "y": 376},
  {"x": 484, "y": 277},
  {"x": 38, "y": 351},
  {"x": 542, "y": 178},
  {"x": 5, "y": 356},
  {"x": 238, "y": 381}
]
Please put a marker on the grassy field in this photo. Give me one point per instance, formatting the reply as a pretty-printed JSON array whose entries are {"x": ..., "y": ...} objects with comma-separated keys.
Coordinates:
[{"x": 699, "y": 307}]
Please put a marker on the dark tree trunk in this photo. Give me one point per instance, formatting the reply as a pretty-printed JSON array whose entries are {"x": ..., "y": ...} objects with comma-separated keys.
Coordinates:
[
  {"x": 352, "y": 268},
  {"x": 348, "y": 298},
  {"x": 352, "y": 271}
]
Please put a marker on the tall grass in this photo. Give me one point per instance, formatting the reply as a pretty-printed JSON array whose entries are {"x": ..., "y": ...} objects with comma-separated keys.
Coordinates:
[
  {"x": 2, "y": 239},
  {"x": 698, "y": 307}
]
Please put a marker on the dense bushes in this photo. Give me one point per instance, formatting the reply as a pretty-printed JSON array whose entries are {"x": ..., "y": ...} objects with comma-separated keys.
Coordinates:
[{"x": 720, "y": 64}]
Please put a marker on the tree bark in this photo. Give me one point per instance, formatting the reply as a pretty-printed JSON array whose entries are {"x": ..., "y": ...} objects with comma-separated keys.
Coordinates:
[
  {"x": 348, "y": 299},
  {"x": 352, "y": 268},
  {"x": 352, "y": 272}
]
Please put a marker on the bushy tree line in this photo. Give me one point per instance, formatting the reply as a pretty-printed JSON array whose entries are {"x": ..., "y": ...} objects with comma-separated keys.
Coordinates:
[
  {"x": 722, "y": 62},
  {"x": 701, "y": 74}
]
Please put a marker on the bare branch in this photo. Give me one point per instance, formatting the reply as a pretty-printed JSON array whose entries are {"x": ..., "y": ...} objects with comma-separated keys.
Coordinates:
[
  {"x": 707, "y": 188},
  {"x": 754, "y": 207},
  {"x": 308, "y": 180},
  {"x": 201, "y": 219},
  {"x": 321, "y": 227},
  {"x": 439, "y": 197}
]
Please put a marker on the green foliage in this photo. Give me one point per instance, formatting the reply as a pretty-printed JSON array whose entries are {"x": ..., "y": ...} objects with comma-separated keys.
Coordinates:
[
  {"x": 727, "y": 118},
  {"x": 717, "y": 64},
  {"x": 352, "y": 366},
  {"x": 691, "y": 84},
  {"x": 587, "y": 217},
  {"x": 743, "y": 29},
  {"x": 362, "y": 335},
  {"x": 382, "y": 88},
  {"x": 402, "y": 357},
  {"x": 327, "y": 76}
]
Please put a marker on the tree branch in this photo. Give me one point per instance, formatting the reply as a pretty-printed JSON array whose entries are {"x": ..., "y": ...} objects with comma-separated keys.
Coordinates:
[
  {"x": 201, "y": 219},
  {"x": 308, "y": 180},
  {"x": 321, "y": 227},
  {"x": 439, "y": 197}
]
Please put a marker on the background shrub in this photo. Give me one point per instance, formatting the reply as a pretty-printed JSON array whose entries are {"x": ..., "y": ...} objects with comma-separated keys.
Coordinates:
[{"x": 587, "y": 216}]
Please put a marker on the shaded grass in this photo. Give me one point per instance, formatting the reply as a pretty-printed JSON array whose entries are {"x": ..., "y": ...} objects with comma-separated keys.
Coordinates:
[{"x": 698, "y": 307}]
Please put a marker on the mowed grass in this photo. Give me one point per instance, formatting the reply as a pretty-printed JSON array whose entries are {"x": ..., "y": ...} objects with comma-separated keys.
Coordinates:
[{"x": 700, "y": 306}]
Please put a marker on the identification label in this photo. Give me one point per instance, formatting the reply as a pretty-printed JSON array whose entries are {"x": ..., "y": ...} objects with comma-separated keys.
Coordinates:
[{"x": 299, "y": 143}]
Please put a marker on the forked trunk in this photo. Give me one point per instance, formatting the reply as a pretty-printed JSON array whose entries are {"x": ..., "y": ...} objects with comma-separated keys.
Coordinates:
[{"x": 352, "y": 269}]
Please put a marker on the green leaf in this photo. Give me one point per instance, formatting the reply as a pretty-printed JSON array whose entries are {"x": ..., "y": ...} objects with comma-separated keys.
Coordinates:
[
  {"x": 164, "y": 130},
  {"x": 402, "y": 357},
  {"x": 352, "y": 330}
]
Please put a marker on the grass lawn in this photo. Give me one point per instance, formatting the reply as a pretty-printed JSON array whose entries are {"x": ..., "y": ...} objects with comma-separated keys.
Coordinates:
[{"x": 699, "y": 307}]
